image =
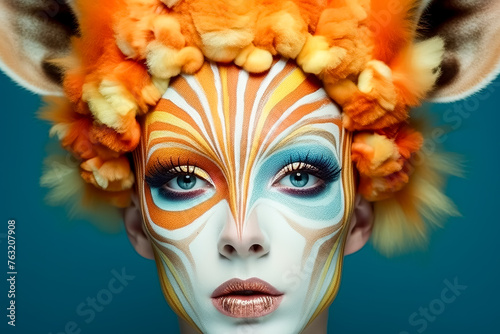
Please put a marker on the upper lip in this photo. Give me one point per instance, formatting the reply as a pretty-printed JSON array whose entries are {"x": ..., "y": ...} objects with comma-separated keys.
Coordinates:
[{"x": 252, "y": 285}]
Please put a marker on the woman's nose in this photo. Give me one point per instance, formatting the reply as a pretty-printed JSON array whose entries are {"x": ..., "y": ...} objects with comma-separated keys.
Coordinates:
[{"x": 250, "y": 242}]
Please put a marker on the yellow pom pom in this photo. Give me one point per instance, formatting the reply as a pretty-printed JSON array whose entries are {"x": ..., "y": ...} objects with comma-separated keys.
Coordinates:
[
  {"x": 110, "y": 103},
  {"x": 254, "y": 60},
  {"x": 316, "y": 55},
  {"x": 224, "y": 46},
  {"x": 165, "y": 62}
]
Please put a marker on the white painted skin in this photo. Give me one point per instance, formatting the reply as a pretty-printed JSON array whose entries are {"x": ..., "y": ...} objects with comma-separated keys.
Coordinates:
[{"x": 289, "y": 228}]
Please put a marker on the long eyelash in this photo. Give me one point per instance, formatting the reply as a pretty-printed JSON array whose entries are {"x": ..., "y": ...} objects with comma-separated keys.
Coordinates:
[
  {"x": 322, "y": 167},
  {"x": 162, "y": 172}
]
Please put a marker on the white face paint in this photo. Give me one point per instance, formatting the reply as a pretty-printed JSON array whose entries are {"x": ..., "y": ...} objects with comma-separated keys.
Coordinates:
[{"x": 248, "y": 188}]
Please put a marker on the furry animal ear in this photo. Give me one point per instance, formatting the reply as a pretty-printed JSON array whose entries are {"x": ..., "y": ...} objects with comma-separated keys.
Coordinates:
[
  {"x": 33, "y": 32},
  {"x": 470, "y": 30}
]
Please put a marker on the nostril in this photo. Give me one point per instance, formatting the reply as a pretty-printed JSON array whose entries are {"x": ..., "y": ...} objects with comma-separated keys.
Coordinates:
[
  {"x": 229, "y": 250},
  {"x": 256, "y": 248}
]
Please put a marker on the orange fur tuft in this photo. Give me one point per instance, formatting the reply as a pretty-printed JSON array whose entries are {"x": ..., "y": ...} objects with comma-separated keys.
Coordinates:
[
  {"x": 383, "y": 161},
  {"x": 82, "y": 199},
  {"x": 393, "y": 24},
  {"x": 402, "y": 221}
]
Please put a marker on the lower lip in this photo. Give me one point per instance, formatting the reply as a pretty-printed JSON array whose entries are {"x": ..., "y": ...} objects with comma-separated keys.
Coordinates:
[{"x": 247, "y": 306}]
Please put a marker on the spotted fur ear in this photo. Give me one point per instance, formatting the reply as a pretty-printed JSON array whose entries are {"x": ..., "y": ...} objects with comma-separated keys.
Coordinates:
[
  {"x": 33, "y": 32},
  {"x": 470, "y": 30}
]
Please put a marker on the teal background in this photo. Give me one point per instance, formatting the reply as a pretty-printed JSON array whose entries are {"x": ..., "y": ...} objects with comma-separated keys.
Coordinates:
[{"x": 61, "y": 263}]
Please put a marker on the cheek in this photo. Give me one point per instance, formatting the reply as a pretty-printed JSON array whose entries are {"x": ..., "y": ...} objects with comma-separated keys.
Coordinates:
[
  {"x": 323, "y": 210},
  {"x": 302, "y": 244}
]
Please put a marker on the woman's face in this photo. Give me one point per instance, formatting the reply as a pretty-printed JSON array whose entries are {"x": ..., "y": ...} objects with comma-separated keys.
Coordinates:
[{"x": 245, "y": 184}]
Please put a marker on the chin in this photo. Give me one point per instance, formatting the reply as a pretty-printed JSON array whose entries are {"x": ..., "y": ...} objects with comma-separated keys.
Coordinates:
[{"x": 271, "y": 324}]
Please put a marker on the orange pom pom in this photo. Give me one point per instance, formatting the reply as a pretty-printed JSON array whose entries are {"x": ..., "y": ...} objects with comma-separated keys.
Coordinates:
[{"x": 383, "y": 160}]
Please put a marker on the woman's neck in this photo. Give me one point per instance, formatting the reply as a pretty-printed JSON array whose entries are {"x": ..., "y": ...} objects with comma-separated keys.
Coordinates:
[{"x": 318, "y": 326}]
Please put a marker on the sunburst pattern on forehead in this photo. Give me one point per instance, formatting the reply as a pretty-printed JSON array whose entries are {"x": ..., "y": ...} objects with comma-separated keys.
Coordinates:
[{"x": 236, "y": 120}]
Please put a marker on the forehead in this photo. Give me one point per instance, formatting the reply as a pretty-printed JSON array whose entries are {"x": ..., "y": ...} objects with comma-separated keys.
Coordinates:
[{"x": 223, "y": 106}]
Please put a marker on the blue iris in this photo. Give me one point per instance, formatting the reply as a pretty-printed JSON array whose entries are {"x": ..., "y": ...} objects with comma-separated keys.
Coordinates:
[
  {"x": 186, "y": 182},
  {"x": 299, "y": 179}
]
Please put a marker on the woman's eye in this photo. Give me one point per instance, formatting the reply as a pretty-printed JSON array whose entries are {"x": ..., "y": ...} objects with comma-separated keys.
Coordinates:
[
  {"x": 184, "y": 182},
  {"x": 187, "y": 182},
  {"x": 178, "y": 186},
  {"x": 299, "y": 179},
  {"x": 308, "y": 176},
  {"x": 184, "y": 187},
  {"x": 300, "y": 183}
]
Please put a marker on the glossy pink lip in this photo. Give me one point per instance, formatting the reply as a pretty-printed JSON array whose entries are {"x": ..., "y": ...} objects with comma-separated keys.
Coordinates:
[{"x": 249, "y": 298}]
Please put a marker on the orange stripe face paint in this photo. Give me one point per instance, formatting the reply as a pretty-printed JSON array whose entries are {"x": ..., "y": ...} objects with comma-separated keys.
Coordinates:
[{"x": 246, "y": 184}]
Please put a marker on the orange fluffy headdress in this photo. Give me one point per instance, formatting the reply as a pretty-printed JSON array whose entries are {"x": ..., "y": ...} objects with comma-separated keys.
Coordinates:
[{"x": 376, "y": 70}]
